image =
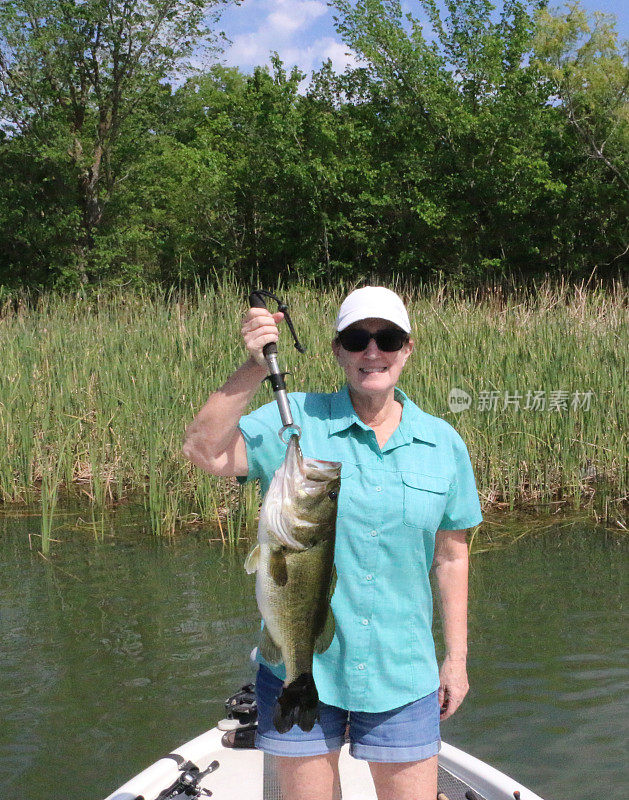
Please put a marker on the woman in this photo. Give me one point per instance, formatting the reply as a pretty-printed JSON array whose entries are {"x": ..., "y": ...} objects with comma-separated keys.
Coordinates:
[{"x": 407, "y": 496}]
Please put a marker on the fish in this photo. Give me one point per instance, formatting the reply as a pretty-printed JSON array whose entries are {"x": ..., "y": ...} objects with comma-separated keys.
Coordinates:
[{"x": 294, "y": 562}]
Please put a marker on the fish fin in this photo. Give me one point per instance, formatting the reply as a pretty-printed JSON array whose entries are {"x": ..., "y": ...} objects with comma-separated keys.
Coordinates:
[
  {"x": 324, "y": 639},
  {"x": 332, "y": 583},
  {"x": 251, "y": 562},
  {"x": 277, "y": 568},
  {"x": 269, "y": 650},
  {"x": 298, "y": 704}
]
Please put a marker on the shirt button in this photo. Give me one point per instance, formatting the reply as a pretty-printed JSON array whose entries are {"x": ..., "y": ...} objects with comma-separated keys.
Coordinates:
[
  {"x": 361, "y": 666},
  {"x": 369, "y": 577},
  {"x": 378, "y": 488},
  {"x": 365, "y": 622},
  {"x": 374, "y": 533}
]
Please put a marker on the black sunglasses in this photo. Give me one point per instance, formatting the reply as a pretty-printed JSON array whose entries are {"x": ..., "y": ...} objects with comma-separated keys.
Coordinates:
[{"x": 388, "y": 339}]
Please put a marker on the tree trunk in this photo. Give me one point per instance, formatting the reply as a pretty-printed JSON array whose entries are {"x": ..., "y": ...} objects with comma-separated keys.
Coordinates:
[{"x": 91, "y": 201}]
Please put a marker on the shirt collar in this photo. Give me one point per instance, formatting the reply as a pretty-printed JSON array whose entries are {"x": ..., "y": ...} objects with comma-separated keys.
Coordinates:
[{"x": 414, "y": 424}]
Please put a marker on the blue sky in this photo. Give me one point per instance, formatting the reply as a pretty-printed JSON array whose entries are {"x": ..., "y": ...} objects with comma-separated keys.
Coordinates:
[{"x": 302, "y": 31}]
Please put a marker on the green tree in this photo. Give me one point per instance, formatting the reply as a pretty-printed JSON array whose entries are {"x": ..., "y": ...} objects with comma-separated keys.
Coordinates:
[
  {"x": 588, "y": 77},
  {"x": 477, "y": 158},
  {"x": 80, "y": 73},
  {"x": 461, "y": 151},
  {"x": 254, "y": 144},
  {"x": 39, "y": 215}
]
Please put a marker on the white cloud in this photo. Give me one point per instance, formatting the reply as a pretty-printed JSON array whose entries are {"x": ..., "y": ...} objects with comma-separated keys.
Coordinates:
[
  {"x": 248, "y": 50},
  {"x": 293, "y": 15},
  {"x": 310, "y": 58},
  {"x": 290, "y": 28},
  {"x": 340, "y": 54}
]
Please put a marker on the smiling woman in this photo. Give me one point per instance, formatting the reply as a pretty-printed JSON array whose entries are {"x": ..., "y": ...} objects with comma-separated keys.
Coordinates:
[
  {"x": 372, "y": 353},
  {"x": 411, "y": 496}
]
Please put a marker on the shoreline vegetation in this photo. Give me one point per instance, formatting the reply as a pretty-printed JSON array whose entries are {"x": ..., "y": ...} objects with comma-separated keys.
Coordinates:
[
  {"x": 469, "y": 139},
  {"x": 96, "y": 391}
]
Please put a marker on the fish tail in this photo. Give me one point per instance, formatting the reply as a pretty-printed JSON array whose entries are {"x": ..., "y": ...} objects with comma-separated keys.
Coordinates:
[{"x": 298, "y": 704}]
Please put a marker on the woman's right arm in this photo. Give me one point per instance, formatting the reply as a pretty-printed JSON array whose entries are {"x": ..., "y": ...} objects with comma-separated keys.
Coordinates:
[{"x": 213, "y": 440}]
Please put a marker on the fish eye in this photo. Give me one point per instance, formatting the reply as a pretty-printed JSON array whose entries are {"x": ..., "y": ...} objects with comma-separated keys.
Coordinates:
[{"x": 332, "y": 495}]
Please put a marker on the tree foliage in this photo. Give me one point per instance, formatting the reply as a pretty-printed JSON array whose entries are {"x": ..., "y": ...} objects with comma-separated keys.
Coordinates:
[
  {"x": 467, "y": 144},
  {"x": 491, "y": 175},
  {"x": 78, "y": 75}
]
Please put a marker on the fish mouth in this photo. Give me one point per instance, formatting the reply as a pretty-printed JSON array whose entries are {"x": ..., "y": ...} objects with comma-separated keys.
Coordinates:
[
  {"x": 307, "y": 475},
  {"x": 311, "y": 468},
  {"x": 315, "y": 469}
]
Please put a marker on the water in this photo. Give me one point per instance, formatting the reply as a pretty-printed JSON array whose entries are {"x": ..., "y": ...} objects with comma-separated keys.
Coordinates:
[{"x": 116, "y": 651}]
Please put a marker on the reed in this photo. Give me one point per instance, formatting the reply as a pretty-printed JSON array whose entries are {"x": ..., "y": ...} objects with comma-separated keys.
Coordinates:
[
  {"x": 96, "y": 391},
  {"x": 51, "y": 460}
]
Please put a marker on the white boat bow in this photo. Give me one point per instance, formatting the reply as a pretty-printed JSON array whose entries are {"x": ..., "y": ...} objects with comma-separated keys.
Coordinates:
[{"x": 247, "y": 774}]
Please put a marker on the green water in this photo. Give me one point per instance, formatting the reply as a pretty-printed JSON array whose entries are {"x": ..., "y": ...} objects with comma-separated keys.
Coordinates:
[{"x": 116, "y": 651}]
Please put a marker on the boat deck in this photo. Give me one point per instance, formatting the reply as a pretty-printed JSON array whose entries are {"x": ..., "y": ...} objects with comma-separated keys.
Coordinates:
[
  {"x": 246, "y": 774},
  {"x": 356, "y": 782}
]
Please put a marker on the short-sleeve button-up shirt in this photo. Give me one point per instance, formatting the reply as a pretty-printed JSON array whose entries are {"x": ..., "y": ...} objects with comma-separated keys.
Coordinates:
[{"x": 392, "y": 502}]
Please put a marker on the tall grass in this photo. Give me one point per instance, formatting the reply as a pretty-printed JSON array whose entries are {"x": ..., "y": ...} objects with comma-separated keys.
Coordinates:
[{"x": 95, "y": 393}]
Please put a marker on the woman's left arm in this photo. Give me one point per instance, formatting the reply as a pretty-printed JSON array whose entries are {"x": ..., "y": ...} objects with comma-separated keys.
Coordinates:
[{"x": 451, "y": 566}]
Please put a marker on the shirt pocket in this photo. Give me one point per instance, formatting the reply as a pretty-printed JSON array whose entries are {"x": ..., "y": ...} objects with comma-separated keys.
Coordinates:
[
  {"x": 347, "y": 470},
  {"x": 425, "y": 498}
]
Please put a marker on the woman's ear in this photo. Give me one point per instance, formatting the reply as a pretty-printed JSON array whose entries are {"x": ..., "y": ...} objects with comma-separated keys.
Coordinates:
[{"x": 409, "y": 349}]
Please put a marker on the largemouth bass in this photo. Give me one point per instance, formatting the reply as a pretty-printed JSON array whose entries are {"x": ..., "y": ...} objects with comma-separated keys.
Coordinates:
[{"x": 294, "y": 559}]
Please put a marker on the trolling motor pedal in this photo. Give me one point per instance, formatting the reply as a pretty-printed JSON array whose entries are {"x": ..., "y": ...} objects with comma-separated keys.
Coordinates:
[
  {"x": 241, "y": 723},
  {"x": 242, "y": 706}
]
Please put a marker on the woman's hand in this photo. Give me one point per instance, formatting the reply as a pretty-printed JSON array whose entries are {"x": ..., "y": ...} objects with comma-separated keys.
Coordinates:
[
  {"x": 259, "y": 327},
  {"x": 453, "y": 685}
]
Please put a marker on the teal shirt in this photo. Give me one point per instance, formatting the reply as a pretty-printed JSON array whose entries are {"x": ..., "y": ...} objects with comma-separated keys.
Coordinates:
[{"x": 392, "y": 502}]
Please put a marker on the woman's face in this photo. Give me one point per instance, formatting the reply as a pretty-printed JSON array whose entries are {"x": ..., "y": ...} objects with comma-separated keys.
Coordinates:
[{"x": 372, "y": 371}]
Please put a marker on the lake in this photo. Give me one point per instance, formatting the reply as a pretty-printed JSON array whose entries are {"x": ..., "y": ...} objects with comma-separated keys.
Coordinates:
[{"x": 117, "y": 649}]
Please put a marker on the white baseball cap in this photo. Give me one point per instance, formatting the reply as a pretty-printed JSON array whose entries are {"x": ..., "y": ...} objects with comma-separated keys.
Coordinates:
[{"x": 373, "y": 302}]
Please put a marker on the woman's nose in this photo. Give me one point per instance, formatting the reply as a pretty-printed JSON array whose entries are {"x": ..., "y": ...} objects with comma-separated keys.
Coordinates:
[{"x": 372, "y": 348}]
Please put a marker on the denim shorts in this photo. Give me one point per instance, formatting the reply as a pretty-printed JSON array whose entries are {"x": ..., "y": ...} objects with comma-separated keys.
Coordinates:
[{"x": 408, "y": 733}]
